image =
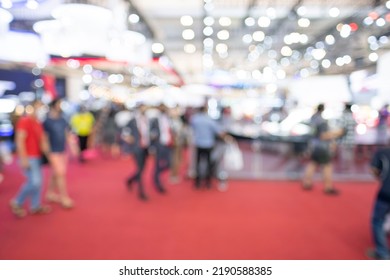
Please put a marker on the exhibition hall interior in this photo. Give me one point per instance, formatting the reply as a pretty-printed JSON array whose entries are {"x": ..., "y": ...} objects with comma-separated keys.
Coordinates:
[{"x": 194, "y": 130}]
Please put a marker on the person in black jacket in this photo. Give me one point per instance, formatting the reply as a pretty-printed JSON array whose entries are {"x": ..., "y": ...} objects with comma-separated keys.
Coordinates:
[
  {"x": 137, "y": 134},
  {"x": 380, "y": 165},
  {"x": 162, "y": 138}
]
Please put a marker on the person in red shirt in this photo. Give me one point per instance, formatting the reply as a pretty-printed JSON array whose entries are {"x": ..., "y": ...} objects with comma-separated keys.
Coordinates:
[{"x": 30, "y": 143}]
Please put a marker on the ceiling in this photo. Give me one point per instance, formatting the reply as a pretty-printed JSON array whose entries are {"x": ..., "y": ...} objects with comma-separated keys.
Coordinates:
[{"x": 268, "y": 40}]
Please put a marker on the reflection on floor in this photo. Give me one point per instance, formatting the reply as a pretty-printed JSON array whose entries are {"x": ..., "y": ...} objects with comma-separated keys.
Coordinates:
[{"x": 274, "y": 161}]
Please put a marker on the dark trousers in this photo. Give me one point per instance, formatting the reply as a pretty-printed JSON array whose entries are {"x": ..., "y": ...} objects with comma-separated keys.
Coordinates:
[
  {"x": 162, "y": 163},
  {"x": 203, "y": 153},
  {"x": 140, "y": 156},
  {"x": 83, "y": 142},
  {"x": 381, "y": 209}
]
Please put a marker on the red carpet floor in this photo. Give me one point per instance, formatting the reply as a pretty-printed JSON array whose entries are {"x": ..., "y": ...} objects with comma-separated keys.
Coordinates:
[{"x": 251, "y": 220}]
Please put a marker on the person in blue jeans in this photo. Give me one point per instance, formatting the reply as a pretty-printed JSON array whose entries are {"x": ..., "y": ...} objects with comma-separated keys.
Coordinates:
[
  {"x": 30, "y": 144},
  {"x": 380, "y": 165}
]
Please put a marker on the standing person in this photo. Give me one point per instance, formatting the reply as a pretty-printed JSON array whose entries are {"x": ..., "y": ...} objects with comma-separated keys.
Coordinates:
[
  {"x": 380, "y": 168},
  {"x": 382, "y": 137},
  {"x": 322, "y": 145},
  {"x": 82, "y": 124},
  {"x": 162, "y": 135},
  {"x": 137, "y": 134},
  {"x": 205, "y": 132},
  {"x": 347, "y": 141},
  {"x": 30, "y": 143},
  {"x": 57, "y": 131},
  {"x": 180, "y": 132}
]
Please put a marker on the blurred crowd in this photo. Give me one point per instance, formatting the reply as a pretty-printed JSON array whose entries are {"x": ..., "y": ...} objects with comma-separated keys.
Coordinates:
[{"x": 173, "y": 137}]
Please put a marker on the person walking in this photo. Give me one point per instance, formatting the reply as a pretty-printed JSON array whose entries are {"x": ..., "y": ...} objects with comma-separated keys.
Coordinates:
[
  {"x": 380, "y": 164},
  {"x": 137, "y": 134},
  {"x": 82, "y": 124},
  {"x": 163, "y": 138},
  {"x": 30, "y": 143},
  {"x": 57, "y": 131},
  {"x": 347, "y": 141},
  {"x": 205, "y": 132},
  {"x": 321, "y": 147}
]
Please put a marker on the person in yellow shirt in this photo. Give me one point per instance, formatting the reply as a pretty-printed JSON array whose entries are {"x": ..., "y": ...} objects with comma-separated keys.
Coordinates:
[{"x": 82, "y": 124}]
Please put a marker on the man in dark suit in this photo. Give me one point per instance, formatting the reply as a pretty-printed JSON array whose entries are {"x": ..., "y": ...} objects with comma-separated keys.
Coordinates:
[
  {"x": 137, "y": 134},
  {"x": 162, "y": 139}
]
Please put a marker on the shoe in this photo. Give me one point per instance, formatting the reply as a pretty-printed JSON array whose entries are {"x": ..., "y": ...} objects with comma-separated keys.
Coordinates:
[
  {"x": 129, "y": 184},
  {"x": 17, "y": 210},
  {"x": 161, "y": 190},
  {"x": 332, "y": 191},
  {"x": 143, "y": 197},
  {"x": 43, "y": 209},
  {"x": 307, "y": 187},
  {"x": 52, "y": 197},
  {"x": 67, "y": 203},
  {"x": 372, "y": 254}
]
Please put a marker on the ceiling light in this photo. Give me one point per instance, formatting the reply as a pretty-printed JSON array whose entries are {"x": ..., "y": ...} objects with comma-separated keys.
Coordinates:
[
  {"x": 264, "y": 21},
  {"x": 388, "y": 4},
  {"x": 6, "y": 4},
  {"x": 250, "y": 21},
  {"x": 189, "y": 48},
  {"x": 221, "y": 48},
  {"x": 208, "y": 43},
  {"x": 374, "y": 46},
  {"x": 314, "y": 64},
  {"x": 223, "y": 35},
  {"x": 326, "y": 63},
  {"x": 271, "y": 12},
  {"x": 5, "y": 16},
  {"x": 345, "y": 31},
  {"x": 272, "y": 54},
  {"x": 301, "y": 11},
  {"x": 339, "y": 61},
  {"x": 330, "y": 40},
  {"x": 258, "y": 36},
  {"x": 225, "y": 21},
  {"x": 373, "y": 15},
  {"x": 208, "y": 21},
  {"x": 304, "y": 73},
  {"x": 383, "y": 40},
  {"x": 304, "y": 22},
  {"x": 334, "y": 12},
  {"x": 368, "y": 21},
  {"x": 32, "y": 4},
  {"x": 188, "y": 34},
  {"x": 303, "y": 39},
  {"x": 347, "y": 59},
  {"x": 380, "y": 22},
  {"x": 133, "y": 18},
  {"x": 247, "y": 38},
  {"x": 318, "y": 54},
  {"x": 208, "y": 31},
  {"x": 320, "y": 45},
  {"x": 373, "y": 57},
  {"x": 157, "y": 48},
  {"x": 286, "y": 51},
  {"x": 87, "y": 68},
  {"x": 285, "y": 62},
  {"x": 256, "y": 74},
  {"x": 371, "y": 39},
  {"x": 87, "y": 79},
  {"x": 186, "y": 20}
]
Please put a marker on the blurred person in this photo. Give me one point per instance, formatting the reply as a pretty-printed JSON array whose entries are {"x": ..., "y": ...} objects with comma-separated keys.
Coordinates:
[
  {"x": 322, "y": 145},
  {"x": 180, "y": 133},
  {"x": 137, "y": 134},
  {"x": 347, "y": 141},
  {"x": 163, "y": 140},
  {"x": 383, "y": 116},
  {"x": 82, "y": 124},
  {"x": 380, "y": 168},
  {"x": 58, "y": 132},
  {"x": 30, "y": 142},
  {"x": 109, "y": 135},
  {"x": 205, "y": 132}
]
